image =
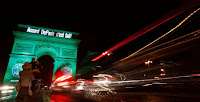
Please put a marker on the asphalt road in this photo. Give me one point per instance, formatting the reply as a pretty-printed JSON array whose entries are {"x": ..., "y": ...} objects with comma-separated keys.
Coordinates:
[
  {"x": 48, "y": 96},
  {"x": 124, "y": 97}
]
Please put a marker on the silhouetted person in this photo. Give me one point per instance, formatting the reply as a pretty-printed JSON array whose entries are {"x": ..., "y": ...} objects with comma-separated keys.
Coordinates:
[
  {"x": 33, "y": 63},
  {"x": 26, "y": 77},
  {"x": 36, "y": 73}
]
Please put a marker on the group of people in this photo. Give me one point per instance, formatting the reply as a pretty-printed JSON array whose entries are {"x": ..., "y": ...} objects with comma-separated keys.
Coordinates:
[{"x": 30, "y": 76}]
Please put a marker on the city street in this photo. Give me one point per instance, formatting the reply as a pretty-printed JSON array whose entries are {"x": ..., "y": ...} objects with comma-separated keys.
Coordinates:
[
  {"x": 96, "y": 51},
  {"x": 127, "y": 97},
  {"x": 171, "y": 89},
  {"x": 47, "y": 96}
]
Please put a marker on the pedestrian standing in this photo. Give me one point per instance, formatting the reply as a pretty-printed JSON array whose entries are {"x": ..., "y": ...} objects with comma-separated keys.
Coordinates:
[
  {"x": 33, "y": 63},
  {"x": 26, "y": 78}
]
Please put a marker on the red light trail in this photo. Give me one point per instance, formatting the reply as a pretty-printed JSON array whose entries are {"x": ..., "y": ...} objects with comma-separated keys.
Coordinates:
[
  {"x": 62, "y": 78},
  {"x": 149, "y": 27}
]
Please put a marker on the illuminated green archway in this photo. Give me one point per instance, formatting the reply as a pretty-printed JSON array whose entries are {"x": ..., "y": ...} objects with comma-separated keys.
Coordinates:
[{"x": 34, "y": 42}]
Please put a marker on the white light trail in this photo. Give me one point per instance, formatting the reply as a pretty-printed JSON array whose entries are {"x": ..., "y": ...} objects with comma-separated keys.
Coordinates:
[
  {"x": 162, "y": 35},
  {"x": 6, "y": 87},
  {"x": 63, "y": 84},
  {"x": 146, "y": 80}
]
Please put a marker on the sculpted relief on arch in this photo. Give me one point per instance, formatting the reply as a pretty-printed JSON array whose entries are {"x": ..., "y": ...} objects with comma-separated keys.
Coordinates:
[{"x": 47, "y": 49}]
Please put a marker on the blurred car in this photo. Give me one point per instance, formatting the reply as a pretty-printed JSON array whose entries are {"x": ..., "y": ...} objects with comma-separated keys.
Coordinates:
[
  {"x": 63, "y": 84},
  {"x": 81, "y": 84}
]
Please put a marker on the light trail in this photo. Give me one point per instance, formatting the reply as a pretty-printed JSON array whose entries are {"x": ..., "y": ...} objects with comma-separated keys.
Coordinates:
[
  {"x": 147, "y": 80},
  {"x": 103, "y": 83},
  {"x": 149, "y": 27},
  {"x": 132, "y": 37},
  {"x": 172, "y": 41},
  {"x": 162, "y": 35},
  {"x": 62, "y": 78}
]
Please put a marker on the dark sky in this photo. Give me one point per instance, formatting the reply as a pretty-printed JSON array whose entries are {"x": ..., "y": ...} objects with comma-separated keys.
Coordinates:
[{"x": 100, "y": 24}]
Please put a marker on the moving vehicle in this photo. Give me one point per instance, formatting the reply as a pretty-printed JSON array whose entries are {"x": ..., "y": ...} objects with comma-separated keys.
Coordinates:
[{"x": 63, "y": 84}]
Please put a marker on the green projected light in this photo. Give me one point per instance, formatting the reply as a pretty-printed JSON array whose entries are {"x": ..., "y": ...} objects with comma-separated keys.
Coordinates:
[{"x": 35, "y": 42}]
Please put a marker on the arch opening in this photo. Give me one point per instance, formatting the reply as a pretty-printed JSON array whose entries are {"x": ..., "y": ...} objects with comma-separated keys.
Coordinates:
[{"x": 47, "y": 63}]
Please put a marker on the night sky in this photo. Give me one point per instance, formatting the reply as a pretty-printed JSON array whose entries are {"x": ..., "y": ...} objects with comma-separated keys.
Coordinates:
[{"x": 100, "y": 24}]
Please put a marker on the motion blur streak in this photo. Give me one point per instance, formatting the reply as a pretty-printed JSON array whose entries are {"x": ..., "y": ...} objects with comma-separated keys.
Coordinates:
[
  {"x": 103, "y": 83},
  {"x": 146, "y": 80},
  {"x": 103, "y": 75},
  {"x": 6, "y": 87},
  {"x": 164, "y": 34},
  {"x": 195, "y": 74},
  {"x": 64, "y": 77},
  {"x": 151, "y": 26}
]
